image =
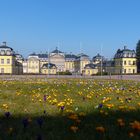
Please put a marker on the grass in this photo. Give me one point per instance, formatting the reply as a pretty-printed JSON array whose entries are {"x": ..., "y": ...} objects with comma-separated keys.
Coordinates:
[{"x": 69, "y": 109}]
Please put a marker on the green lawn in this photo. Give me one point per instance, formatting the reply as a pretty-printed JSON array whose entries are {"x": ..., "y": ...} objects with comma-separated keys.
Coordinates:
[{"x": 69, "y": 109}]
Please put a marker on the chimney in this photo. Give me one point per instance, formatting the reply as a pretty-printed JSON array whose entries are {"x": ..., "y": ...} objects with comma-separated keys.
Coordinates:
[{"x": 4, "y": 43}]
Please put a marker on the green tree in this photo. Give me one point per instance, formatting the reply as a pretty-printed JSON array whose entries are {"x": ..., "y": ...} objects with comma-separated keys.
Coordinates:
[{"x": 138, "y": 55}]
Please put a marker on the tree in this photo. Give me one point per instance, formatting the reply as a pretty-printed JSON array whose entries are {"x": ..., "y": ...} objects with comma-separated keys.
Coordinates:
[{"x": 138, "y": 55}]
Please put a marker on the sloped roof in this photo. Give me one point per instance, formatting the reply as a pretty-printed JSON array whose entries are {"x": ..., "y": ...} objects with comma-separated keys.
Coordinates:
[
  {"x": 125, "y": 53},
  {"x": 39, "y": 55},
  {"x": 48, "y": 65},
  {"x": 43, "y": 55},
  {"x": 33, "y": 54},
  {"x": 5, "y": 47},
  {"x": 56, "y": 51},
  {"x": 82, "y": 55},
  {"x": 98, "y": 56},
  {"x": 70, "y": 56},
  {"x": 92, "y": 66}
]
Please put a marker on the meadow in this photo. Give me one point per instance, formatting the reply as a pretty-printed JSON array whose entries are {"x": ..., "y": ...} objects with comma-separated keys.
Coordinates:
[{"x": 69, "y": 109}]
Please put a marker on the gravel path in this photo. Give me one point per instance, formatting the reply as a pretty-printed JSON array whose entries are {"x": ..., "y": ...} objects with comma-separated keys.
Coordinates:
[{"x": 28, "y": 77}]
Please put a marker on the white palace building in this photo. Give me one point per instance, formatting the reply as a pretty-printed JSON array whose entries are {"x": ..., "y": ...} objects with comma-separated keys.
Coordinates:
[{"x": 124, "y": 62}]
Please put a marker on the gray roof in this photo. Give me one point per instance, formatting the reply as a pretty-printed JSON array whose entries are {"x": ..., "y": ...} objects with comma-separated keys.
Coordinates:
[
  {"x": 92, "y": 66},
  {"x": 82, "y": 55},
  {"x": 5, "y": 47},
  {"x": 56, "y": 51},
  {"x": 33, "y": 54},
  {"x": 39, "y": 55},
  {"x": 70, "y": 56},
  {"x": 18, "y": 56},
  {"x": 98, "y": 56},
  {"x": 48, "y": 65},
  {"x": 125, "y": 53},
  {"x": 43, "y": 55},
  {"x": 109, "y": 63}
]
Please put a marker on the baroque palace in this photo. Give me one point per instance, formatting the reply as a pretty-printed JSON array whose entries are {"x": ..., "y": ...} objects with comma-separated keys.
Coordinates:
[{"x": 124, "y": 62}]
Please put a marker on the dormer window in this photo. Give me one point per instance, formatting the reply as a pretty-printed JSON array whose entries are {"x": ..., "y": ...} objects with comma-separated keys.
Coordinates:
[
  {"x": 130, "y": 55},
  {"x": 133, "y": 55},
  {"x": 125, "y": 55},
  {"x": 2, "y": 52},
  {"x": 8, "y": 52}
]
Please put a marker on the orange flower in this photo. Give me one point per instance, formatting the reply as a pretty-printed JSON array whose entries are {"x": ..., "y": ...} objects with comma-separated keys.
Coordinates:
[
  {"x": 78, "y": 121},
  {"x": 135, "y": 125},
  {"x": 74, "y": 128},
  {"x": 73, "y": 117},
  {"x": 100, "y": 129},
  {"x": 10, "y": 130},
  {"x": 131, "y": 134},
  {"x": 121, "y": 122}
]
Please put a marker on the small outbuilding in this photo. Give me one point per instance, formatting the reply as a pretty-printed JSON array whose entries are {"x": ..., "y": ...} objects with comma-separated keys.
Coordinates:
[
  {"x": 49, "y": 68},
  {"x": 90, "y": 69}
]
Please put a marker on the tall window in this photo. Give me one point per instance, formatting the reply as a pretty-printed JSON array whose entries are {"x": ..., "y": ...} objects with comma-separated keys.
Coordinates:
[
  {"x": 8, "y": 61},
  {"x": 124, "y": 62},
  {"x": 124, "y": 70},
  {"x": 129, "y": 71},
  {"x": 129, "y": 62},
  {"x": 133, "y": 70},
  {"x": 2, "y": 70},
  {"x": 134, "y": 62},
  {"x": 2, "y": 61}
]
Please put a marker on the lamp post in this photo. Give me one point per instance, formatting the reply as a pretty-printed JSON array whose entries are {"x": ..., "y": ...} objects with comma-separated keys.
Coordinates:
[
  {"x": 101, "y": 63},
  {"x": 121, "y": 69},
  {"x": 48, "y": 63}
]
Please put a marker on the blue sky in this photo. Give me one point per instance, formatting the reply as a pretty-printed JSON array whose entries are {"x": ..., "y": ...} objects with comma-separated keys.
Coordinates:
[{"x": 41, "y": 25}]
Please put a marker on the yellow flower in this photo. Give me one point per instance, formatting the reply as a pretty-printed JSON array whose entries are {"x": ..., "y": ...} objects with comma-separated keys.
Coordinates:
[
  {"x": 69, "y": 111},
  {"x": 61, "y": 104},
  {"x": 110, "y": 106},
  {"x": 5, "y": 106},
  {"x": 82, "y": 114},
  {"x": 40, "y": 100}
]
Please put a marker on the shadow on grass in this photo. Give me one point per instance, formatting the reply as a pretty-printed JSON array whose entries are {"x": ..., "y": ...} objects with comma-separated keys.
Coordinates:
[{"x": 44, "y": 127}]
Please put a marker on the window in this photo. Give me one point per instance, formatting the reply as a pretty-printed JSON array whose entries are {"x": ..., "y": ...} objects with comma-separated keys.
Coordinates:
[
  {"x": 2, "y": 70},
  {"x": 129, "y": 62},
  {"x": 121, "y": 63},
  {"x": 133, "y": 70},
  {"x": 129, "y": 71},
  {"x": 2, "y": 61},
  {"x": 124, "y": 70},
  {"x": 124, "y": 62},
  {"x": 8, "y": 61},
  {"x": 134, "y": 62}
]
